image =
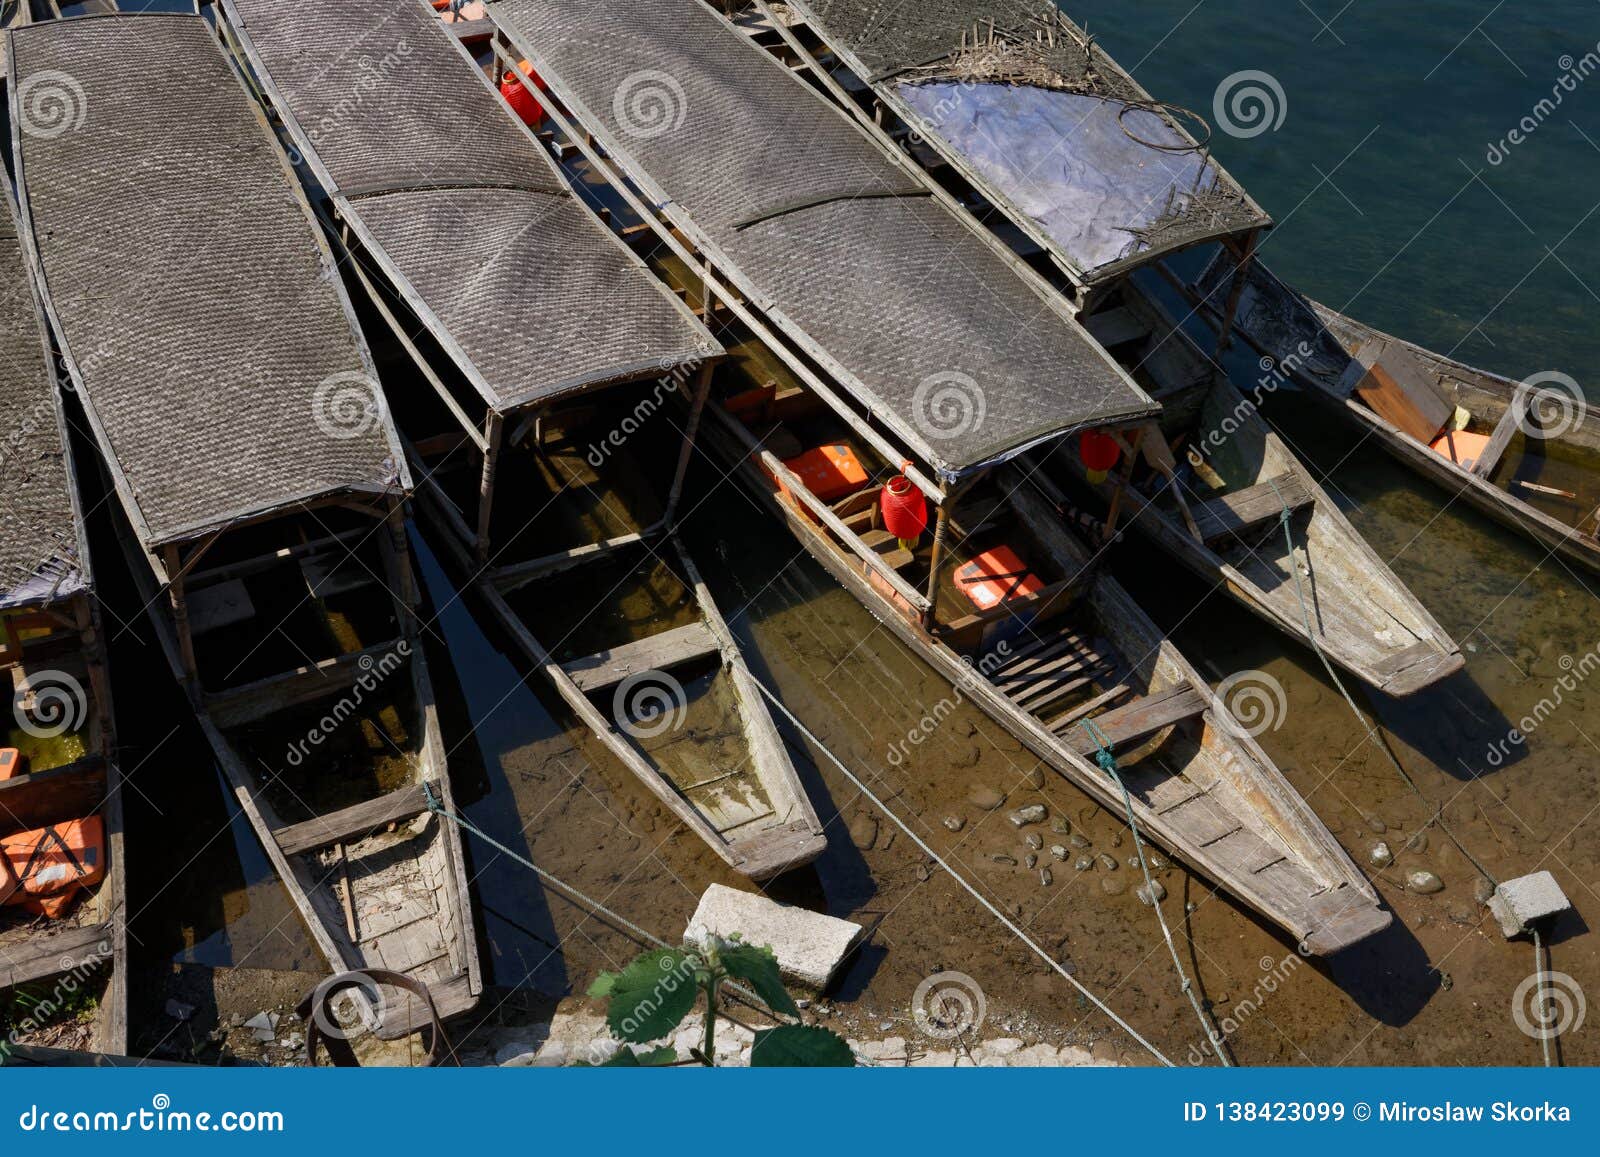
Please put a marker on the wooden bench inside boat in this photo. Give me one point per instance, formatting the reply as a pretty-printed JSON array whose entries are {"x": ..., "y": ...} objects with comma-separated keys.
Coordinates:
[
  {"x": 354, "y": 822},
  {"x": 1142, "y": 718},
  {"x": 1244, "y": 510},
  {"x": 656, "y": 653}
]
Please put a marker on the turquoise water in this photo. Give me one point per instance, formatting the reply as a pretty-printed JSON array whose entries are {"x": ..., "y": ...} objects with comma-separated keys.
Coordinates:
[{"x": 1414, "y": 230}]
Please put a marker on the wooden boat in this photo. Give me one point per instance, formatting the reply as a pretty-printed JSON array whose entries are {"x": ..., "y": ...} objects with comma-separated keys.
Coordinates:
[
  {"x": 1223, "y": 518},
  {"x": 649, "y": 665},
  {"x": 1002, "y": 601},
  {"x": 239, "y": 420},
  {"x": 57, "y": 756},
  {"x": 1525, "y": 456}
]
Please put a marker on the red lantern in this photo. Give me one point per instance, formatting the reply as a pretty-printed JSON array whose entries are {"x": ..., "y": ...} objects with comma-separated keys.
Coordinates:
[
  {"x": 519, "y": 98},
  {"x": 905, "y": 510},
  {"x": 1099, "y": 452}
]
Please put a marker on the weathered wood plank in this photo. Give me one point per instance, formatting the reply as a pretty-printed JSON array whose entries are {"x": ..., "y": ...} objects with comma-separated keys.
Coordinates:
[
  {"x": 354, "y": 822},
  {"x": 657, "y": 653},
  {"x": 53, "y": 796},
  {"x": 1142, "y": 717},
  {"x": 1504, "y": 431},
  {"x": 1245, "y": 509}
]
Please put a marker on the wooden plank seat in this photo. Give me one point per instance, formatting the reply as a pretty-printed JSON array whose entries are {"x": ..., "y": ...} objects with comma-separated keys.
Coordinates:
[
  {"x": 889, "y": 547},
  {"x": 1141, "y": 718},
  {"x": 656, "y": 653},
  {"x": 1245, "y": 509},
  {"x": 354, "y": 822}
]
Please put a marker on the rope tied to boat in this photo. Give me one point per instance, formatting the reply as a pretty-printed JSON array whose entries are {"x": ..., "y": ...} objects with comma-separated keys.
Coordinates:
[
  {"x": 1285, "y": 520},
  {"x": 1107, "y": 760}
]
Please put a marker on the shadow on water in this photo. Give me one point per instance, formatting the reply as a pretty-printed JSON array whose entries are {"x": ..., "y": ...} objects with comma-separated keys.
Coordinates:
[
  {"x": 1389, "y": 976},
  {"x": 501, "y": 738}
]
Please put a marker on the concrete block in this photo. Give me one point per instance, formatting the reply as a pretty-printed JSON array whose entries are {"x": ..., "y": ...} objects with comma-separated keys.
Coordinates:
[
  {"x": 1518, "y": 904},
  {"x": 809, "y": 946}
]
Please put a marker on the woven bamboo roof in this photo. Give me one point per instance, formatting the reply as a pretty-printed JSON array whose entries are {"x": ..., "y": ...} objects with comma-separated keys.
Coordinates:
[
  {"x": 908, "y": 306},
  {"x": 469, "y": 215},
  {"x": 197, "y": 304}
]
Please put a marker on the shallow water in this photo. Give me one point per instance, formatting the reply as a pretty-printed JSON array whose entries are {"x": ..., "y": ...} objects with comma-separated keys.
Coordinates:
[{"x": 1437, "y": 988}]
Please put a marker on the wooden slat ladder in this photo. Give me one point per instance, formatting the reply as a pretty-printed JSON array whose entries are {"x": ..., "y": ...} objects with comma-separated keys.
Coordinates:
[
  {"x": 1246, "y": 509},
  {"x": 656, "y": 653}
]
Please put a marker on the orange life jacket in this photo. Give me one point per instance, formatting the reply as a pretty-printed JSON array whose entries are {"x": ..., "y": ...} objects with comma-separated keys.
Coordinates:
[
  {"x": 830, "y": 472},
  {"x": 43, "y": 871},
  {"x": 996, "y": 576}
]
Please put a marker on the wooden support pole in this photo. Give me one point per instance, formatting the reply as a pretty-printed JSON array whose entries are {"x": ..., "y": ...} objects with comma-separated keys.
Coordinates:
[
  {"x": 702, "y": 391},
  {"x": 941, "y": 532},
  {"x": 493, "y": 427},
  {"x": 180, "y": 617},
  {"x": 399, "y": 553},
  {"x": 1122, "y": 484},
  {"x": 1241, "y": 273}
]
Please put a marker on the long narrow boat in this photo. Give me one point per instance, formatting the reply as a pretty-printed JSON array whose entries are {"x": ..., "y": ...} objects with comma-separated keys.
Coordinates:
[
  {"x": 240, "y": 422},
  {"x": 63, "y": 886},
  {"x": 543, "y": 321},
  {"x": 1521, "y": 452},
  {"x": 1024, "y": 119},
  {"x": 1003, "y": 601}
]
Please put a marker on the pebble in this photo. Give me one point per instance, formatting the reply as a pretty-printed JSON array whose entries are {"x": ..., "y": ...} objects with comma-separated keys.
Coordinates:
[
  {"x": 1116, "y": 840},
  {"x": 1425, "y": 883},
  {"x": 1058, "y": 851},
  {"x": 1034, "y": 840},
  {"x": 864, "y": 832},
  {"x": 1079, "y": 842},
  {"x": 923, "y": 873},
  {"x": 1061, "y": 825},
  {"x": 954, "y": 823},
  {"x": 1380, "y": 856},
  {"x": 1045, "y": 877},
  {"x": 1482, "y": 890},
  {"x": 1418, "y": 842},
  {"x": 1035, "y": 778},
  {"x": 1083, "y": 864},
  {"x": 1002, "y": 858},
  {"x": 1378, "y": 826},
  {"x": 986, "y": 798},
  {"x": 1032, "y": 860},
  {"x": 1112, "y": 885},
  {"x": 1034, "y": 813},
  {"x": 1109, "y": 863},
  {"x": 1157, "y": 862},
  {"x": 1152, "y": 895}
]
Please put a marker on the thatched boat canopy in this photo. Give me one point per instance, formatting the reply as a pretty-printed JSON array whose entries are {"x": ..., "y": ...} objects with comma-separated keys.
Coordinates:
[
  {"x": 837, "y": 240},
  {"x": 197, "y": 305}
]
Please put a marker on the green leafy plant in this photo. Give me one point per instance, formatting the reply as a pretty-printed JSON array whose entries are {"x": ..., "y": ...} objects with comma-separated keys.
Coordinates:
[{"x": 653, "y": 995}]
